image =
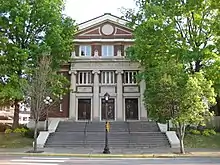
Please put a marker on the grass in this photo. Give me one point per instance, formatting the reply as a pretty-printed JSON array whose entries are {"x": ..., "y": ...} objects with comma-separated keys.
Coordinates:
[
  {"x": 14, "y": 141},
  {"x": 201, "y": 141}
]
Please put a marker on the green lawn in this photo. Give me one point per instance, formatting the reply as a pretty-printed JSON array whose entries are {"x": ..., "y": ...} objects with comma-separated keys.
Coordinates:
[
  {"x": 200, "y": 141},
  {"x": 14, "y": 141}
]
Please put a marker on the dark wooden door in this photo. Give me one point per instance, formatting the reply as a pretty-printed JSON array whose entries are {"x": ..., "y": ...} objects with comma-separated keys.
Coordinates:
[
  {"x": 131, "y": 109},
  {"x": 110, "y": 109},
  {"x": 84, "y": 109}
]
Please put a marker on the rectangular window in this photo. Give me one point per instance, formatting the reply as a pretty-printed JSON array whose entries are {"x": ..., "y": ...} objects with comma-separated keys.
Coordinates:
[
  {"x": 107, "y": 50},
  {"x": 85, "y": 50},
  {"x": 129, "y": 77},
  {"x": 84, "y": 77},
  {"x": 108, "y": 77}
]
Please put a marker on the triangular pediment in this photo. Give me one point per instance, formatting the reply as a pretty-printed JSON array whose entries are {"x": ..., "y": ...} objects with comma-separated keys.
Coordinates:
[{"x": 104, "y": 26}]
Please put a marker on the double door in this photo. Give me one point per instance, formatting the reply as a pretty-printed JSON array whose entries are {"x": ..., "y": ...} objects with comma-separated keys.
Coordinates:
[
  {"x": 131, "y": 109},
  {"x": 84, "y": 109},
  {"x": 108, "y": 108}
]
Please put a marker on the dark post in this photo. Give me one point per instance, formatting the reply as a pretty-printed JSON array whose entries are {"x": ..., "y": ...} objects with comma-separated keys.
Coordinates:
[
  {"x": 47, "y": 123},
  {"x": 106, "y": 149},
  {"x": 47, "y": 101}
]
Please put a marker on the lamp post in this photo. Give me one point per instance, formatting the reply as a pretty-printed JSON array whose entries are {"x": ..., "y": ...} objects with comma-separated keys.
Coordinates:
[
  {"x": 106, "y": 149},
  {"x": 47, "y": 101}
]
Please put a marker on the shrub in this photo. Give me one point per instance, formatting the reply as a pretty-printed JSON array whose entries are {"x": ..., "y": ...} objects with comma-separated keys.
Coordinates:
[
  {"x": 194, "y": 132},
  {"x": 212, "y": 132},
  {"x": 8, "y": 131},
  {"x": 20, "y": 131},
  {"x": 208, "y": 132}
]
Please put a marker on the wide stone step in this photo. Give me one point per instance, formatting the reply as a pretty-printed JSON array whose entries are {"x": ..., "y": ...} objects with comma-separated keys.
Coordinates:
[{"x": 121, "y": 135}]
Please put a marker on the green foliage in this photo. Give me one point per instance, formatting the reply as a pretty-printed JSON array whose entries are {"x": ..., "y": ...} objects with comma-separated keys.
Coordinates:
[
  {"x": 194, "y": 132},
  {"x": 198, "y": 141},
  {"x": 208, "y": 132},
  {"x": 8, "y": 131},
  {"x": 28, "y": 30},
  {"x": 21, "y": 131},
  {"x": 177, "y": 44}
]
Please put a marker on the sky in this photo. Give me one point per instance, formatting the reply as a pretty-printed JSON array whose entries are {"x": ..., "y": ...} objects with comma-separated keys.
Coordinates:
[{"x": 83, "y": 10}]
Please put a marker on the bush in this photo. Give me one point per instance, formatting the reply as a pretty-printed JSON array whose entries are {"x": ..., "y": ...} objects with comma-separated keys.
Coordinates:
[
  {"x": 212, "y": 132},
  {"x": 8, "y": 131},
  {"x": 20, "y": 131},
  {"x": 208, "y": 132},
  {"x": 194, "y": 132}
]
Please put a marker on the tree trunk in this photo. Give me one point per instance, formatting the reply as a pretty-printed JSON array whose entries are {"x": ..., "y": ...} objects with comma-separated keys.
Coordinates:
[
  {"x": 181, "y": 132},
  {"x": 35, "y": 135},
  {"x": 198, "y": 66},
  {"x": 16, "y": 115},
  {"x": 182, "y": 149}
]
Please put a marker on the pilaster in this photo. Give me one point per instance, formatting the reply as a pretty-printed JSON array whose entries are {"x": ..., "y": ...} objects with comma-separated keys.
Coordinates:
[
  {"x": 72, "y": 105},
  {"x": 96, "y": 101},
  {"x": 120, "y": 109}
]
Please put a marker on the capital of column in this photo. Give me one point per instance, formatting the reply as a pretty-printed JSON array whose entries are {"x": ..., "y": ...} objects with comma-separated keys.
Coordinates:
[
  {"x": 96, "y": 72},
  {"x": 73, "y": 72},
  {"x": 119, "y": 72}
]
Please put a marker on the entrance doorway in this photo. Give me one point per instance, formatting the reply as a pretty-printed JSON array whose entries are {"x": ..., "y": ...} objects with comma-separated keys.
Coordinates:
[
  {"x": 84, "y": 109},
  {"x": 110, "y": 109},
  {"x": 131, "y": 108}
]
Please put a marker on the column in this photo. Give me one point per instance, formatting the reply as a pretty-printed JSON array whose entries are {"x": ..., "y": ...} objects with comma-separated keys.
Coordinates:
[
  {"x": 72, "y": 104},
  {"x": 143, "y": 111},
  {"x": 96, "y": 101},
  {"x": 120, "y": 109}
]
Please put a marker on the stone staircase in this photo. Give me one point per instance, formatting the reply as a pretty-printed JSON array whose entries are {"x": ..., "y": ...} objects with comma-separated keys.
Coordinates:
[{"x": 138, "y": 134}]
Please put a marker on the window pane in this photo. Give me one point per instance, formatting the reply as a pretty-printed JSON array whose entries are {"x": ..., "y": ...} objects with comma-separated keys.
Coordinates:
[
  {"x": 80, "y": 78},
  {"x": 134, "y": 77},
  {"x": 88, "y": 51},
  {"x": 107, "y": 50},
  {"x": 82, "y": 52},
  {"x": 89, "y": 78},
  {"x": 130, "y": 77},
  {"x": 85, "y": 50},
  {"x": 103, "y": 77},
  {"x": 112, "y": 77},
  {"x": 85, "y": 77},
  {"x": 110, "y": 50},
  {"x": 107, "y": 77},
  {"x": 104, "y": 50},
  {"x": 126, "y": 76}
]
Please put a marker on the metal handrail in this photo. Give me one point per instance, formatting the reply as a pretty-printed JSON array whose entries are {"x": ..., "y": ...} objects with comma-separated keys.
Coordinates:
[
  {"x": 129, "y": 133},
  {"x": 85, "y": 135}
]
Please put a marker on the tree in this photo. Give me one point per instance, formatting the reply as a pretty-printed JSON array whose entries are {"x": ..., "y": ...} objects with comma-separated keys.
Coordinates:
[
  {"x": 172, "y": 94},
  {"x": 177, "y": 45},
  {"x": 44, "y": 82},
  {"x": 28, "y": 29}
]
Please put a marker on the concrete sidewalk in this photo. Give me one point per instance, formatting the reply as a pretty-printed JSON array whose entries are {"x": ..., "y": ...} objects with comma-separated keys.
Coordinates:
[{"x": 123, "y": 153}]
